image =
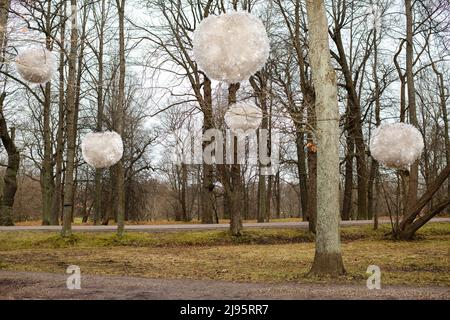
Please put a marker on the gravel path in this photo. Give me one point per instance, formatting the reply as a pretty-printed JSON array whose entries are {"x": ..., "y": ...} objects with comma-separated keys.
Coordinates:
[
  {"x": 193, "y": 227},
  {"x": 28, "y": 285}
]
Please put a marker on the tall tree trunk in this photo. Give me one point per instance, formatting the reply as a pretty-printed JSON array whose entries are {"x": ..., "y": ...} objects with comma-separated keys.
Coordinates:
[
  {"x": 301, "y": 166},
  {"x": 47, "y": 183},
  {"x": 354, "y": 113},
  {"x": 373, "y": 176},
  {"x": 120, "y": 119},
  {"x": 56, "y": 200},
  {"x": 414, "y": 170},
  {"x": 70, "y": 126},
  {"x": 99, "y": 125},
  {"x": 443, "y": 97},
  {"x": 327, "y": 259},
  {"x": 259, "y": 85},
  {"x": 235, "y": 171},
  {"x": 10, "y": 177},
  {"x": 348, "y": 182},
  {"x": 207, "y": 211}
]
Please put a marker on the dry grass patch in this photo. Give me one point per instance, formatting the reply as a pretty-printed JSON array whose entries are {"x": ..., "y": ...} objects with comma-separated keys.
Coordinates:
[{"x": 260, "y": 255}]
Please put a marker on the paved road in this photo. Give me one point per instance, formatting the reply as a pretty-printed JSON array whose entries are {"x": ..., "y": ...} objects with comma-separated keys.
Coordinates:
[
  {"x": 31, "y": 285},
  {"x": 192, "y": 227}
]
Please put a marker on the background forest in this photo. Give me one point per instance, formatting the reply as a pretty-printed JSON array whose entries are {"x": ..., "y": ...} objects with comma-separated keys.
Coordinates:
[{"x": 392, "y": 62}]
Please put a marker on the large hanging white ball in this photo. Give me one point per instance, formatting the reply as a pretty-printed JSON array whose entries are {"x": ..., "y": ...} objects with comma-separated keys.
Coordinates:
[
  {"x": 36, "y": 65},
  {"x": 231, "y": 47},
  {"x": 397, "y": 145},
  {"x": 243, "y": 116},
  {"x": 102, "y": 149}
]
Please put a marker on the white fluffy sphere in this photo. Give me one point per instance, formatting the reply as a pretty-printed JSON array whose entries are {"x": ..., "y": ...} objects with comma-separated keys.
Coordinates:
[
  {"x": 36, "y": 65},
  {"x": 231, "y": 47},
  {"x": 102, "y": 149},
  {"x": 243, "y": 116},
  {"x": 396, "y": 145}
]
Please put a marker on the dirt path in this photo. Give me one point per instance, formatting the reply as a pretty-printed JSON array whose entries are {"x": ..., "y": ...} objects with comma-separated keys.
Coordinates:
[
  {"x": 27, "y": 285},
  {"x": 193, "y": 227}
]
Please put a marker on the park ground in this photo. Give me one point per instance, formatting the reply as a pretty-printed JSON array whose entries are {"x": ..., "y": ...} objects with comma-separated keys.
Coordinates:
[{"x": 263, "y": 263}]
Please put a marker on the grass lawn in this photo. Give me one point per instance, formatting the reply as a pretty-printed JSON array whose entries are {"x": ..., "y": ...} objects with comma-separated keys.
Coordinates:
[{"x": 268, "y": 255}]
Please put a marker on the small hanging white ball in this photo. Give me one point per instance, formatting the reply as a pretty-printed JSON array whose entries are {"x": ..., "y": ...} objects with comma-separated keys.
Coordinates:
[
  {"x": 243, "y": 116},
  {"x": 36, "y": 65},
  {"x": 102, "y": 149},
  {"x": 397, "y": 145},
  {"x": 231, "y": 47}
]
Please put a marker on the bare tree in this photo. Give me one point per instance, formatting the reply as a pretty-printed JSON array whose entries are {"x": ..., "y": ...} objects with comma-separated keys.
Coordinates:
[
  {"x": 71, "y": 125},
  {"x": 327, "y": 259}
]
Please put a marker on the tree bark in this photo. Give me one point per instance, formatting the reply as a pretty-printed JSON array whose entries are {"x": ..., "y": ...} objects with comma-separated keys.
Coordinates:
[
  {"x": 120, "y": 119},
  {"x": 312, "y": 164},
  {"x": 47, "y": 183},
  {"x": 348, "y": 180},
  {"x": 100, "y": 107},
  {"x": 10, "y": 177},
  {"x": 443, "y": 97},
  {"x": 301, "y": 167},
  {"x": 374, "y": 168},
  {"x": 414, "y": 170},
  {"x": 327, "y": 259},
  {"x": 207, "y": 212},
  {"x": 235, "y": 172},
  {"x": 70, "y": 127},
  {"x": 57, "y": 196}
]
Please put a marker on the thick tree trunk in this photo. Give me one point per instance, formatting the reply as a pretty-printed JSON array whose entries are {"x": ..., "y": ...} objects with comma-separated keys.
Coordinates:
[
  {"x": 327, "y": 259},
  {"x": 70, "y": 127},
  {"x": 10, "y": 177}
]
